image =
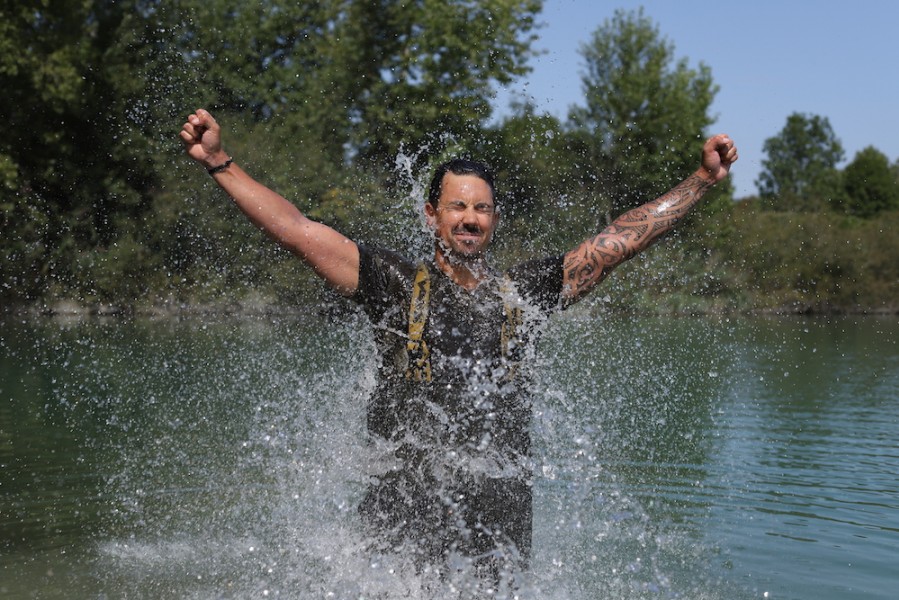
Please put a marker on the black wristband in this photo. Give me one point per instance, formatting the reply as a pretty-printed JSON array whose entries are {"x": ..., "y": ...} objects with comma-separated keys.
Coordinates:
[{"x": 221, "y": 167}]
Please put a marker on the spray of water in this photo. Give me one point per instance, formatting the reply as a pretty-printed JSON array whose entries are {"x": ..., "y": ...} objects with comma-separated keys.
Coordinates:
[{"x": 240, "y": 455}]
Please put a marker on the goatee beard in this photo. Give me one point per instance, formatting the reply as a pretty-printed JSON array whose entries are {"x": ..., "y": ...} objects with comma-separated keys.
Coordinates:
[{"x": 474, "y": 260}]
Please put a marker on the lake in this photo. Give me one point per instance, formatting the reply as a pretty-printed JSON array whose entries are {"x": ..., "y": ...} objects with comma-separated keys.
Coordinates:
[{"x": 714, "y": 458}]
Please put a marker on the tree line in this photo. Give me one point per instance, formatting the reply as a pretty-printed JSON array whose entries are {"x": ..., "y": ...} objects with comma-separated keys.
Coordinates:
[{"x": 344, "y": 105}]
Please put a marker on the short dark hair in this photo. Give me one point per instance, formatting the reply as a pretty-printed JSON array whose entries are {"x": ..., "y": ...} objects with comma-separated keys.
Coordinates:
[{"x": 460, "y": 166}]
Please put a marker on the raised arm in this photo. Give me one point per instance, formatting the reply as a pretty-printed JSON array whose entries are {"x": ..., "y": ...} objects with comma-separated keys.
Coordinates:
[
  {"x": 331, "y": 255},
  {"x": 637, "y": 229}
]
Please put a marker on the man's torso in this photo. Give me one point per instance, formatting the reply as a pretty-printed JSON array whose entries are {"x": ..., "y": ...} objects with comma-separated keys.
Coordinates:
[{"x": 451, "y": 400}]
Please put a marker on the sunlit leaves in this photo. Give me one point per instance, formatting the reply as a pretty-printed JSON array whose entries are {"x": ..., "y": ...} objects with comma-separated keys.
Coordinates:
[
  {"x": 427, "y": 67},
  {"x": 646, "y": 113}
]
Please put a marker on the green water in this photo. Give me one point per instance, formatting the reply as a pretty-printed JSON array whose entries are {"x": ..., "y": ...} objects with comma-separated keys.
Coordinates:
[{"x": 700, "y": 458}]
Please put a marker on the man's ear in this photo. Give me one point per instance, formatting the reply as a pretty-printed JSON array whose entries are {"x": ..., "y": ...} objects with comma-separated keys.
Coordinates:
[{"x": 430, "y": 215}]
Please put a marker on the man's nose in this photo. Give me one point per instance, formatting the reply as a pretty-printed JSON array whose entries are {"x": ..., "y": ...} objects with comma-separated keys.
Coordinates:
[{"x": 470, "y": 215}]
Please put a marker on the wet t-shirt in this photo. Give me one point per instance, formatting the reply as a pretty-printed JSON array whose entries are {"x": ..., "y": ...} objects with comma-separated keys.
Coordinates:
[{"x": 453, "y": 406}]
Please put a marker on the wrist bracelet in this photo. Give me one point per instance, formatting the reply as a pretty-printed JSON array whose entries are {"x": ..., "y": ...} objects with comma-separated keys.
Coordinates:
[{"x": 221, "y": 167}]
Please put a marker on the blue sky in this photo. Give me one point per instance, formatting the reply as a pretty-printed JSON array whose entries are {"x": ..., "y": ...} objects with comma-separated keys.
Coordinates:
[{"x": 839, "y": 60}]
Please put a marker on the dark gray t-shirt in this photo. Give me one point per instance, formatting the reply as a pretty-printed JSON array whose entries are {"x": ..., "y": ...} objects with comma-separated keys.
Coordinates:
[
  {"x": 459, "y": 475},
  {"x": 476, "y": 341}
]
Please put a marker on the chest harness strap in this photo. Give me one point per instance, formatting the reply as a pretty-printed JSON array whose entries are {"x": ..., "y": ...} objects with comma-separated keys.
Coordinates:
[{"x": 419, "y": 364}]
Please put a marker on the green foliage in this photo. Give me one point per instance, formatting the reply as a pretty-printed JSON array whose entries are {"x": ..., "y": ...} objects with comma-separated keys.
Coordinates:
[
  {"x": 61, "y": 161},
  {"x": 645, "y": 116},
  {"x": 543, "y": 206},
  {"x": 768, "y": 261},
  {"x": 425, "y": 68},
  {"x": 93, "y": 92},
  {"x": 800, "y": 168},
  {"x": 673, "y": 278},
  {"x": 24, "y": 222},
  {"x": 268, "y": 60},
  {"x": 816, "y": 261},
  {"x": 528, "y": 151},
  {"x": 98, "y": 203},
  {"x": 870, "y": 185}
]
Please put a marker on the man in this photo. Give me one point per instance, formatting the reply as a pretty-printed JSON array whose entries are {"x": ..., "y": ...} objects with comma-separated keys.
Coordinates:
[{"x": 451, "y": 410}]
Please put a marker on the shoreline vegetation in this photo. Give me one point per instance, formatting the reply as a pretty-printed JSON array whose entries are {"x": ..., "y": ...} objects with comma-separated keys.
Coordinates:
[
  {"x": 744, "y": 260},
  {"x": 66, "y": 309},
  {"x": 740, "y": 262}
]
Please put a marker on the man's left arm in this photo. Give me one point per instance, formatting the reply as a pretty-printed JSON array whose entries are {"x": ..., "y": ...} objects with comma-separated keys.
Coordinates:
[{"x": 637, "y": 229}]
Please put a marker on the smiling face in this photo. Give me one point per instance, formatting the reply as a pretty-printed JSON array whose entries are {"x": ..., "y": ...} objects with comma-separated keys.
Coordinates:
[{"x": 465, "y": 216}]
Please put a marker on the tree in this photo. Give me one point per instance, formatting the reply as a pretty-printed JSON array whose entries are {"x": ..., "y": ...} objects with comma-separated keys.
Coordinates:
[
  {"x": 67, "y": 185},
  {"x": 800, "y": 171},
  {"x": 92, "y": 93},
  {"x": 527, "y": 150},
  {"x": 538, "y": 173},
  {"x": 424, "y": 68},
  {"x": 645, "y": 115},
  {"x": 357, "y": 77},
  {"x": 870, "y": 184}
]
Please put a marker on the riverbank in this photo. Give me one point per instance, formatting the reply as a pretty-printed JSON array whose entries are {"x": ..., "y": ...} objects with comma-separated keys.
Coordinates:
[{"x": 257, "y": 306}]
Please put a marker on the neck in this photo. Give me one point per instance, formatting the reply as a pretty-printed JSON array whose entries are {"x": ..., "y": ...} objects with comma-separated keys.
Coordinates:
[{"x": 467, "y": 272}]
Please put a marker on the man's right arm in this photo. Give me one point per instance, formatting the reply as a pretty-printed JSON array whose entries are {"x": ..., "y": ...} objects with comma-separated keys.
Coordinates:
[{"x": 334, "y": 257}]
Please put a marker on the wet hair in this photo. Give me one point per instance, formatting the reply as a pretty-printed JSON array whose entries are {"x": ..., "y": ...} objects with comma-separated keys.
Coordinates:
[{"x": 460, "y": 166}]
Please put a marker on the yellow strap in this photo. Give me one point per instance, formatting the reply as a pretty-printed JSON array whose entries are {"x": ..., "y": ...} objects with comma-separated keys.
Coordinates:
[{"x": 419, "y": 367}]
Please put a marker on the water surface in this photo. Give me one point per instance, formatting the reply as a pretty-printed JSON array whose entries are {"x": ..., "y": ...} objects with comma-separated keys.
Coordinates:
[{"x": 700, "y": 458}]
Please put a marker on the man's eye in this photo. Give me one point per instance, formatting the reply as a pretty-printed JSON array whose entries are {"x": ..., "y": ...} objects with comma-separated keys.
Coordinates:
[{"x": 484, "y": 209}]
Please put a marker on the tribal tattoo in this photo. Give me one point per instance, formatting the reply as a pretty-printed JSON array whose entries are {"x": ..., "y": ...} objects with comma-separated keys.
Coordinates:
[{"x": 628, "y": 235}]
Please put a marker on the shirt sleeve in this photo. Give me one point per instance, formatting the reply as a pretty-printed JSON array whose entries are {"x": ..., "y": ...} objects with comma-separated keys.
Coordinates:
[
  {"x": 540, "y": 282},
  {"x": 383, "y": 278}
]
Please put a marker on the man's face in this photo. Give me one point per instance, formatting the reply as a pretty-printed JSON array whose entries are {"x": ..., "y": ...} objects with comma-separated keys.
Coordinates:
[{"x": 465, "y": 217}]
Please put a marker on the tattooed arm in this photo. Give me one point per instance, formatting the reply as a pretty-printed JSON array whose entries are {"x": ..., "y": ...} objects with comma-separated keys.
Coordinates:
[{"x": 637, "y": 229}]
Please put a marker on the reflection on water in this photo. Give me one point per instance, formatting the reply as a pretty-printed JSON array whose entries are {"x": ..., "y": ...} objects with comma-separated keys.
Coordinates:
[
  {"x": 676, "y": 458},
  {"x": 814, "y": 457}
]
